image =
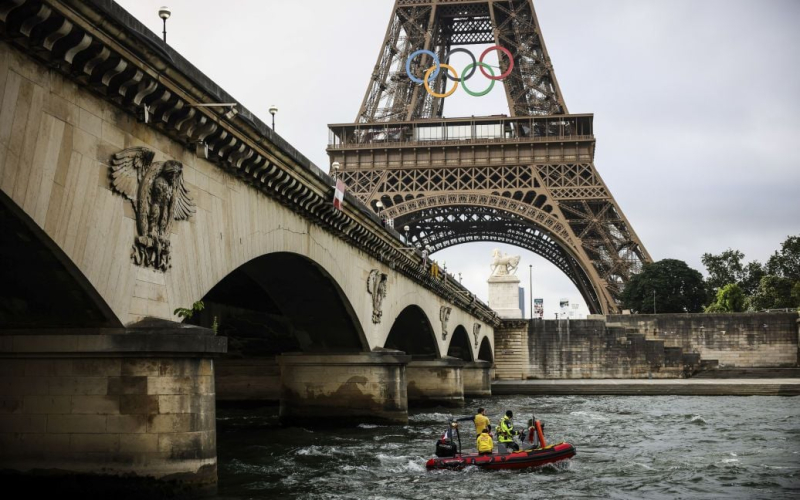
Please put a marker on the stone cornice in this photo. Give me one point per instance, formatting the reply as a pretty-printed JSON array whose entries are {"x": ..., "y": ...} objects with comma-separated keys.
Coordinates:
[{"x": 103, "y": 48}]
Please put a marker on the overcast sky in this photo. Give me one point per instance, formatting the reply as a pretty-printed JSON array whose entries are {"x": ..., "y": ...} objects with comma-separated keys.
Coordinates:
[{"x": 697, "y": 114}]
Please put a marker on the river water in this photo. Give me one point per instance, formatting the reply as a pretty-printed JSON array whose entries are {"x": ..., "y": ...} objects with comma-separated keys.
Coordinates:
[{"x": 628, "y": 447}]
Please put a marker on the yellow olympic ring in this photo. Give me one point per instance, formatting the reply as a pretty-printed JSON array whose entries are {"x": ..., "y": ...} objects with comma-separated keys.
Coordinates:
[{"x": 428, "y": 75}]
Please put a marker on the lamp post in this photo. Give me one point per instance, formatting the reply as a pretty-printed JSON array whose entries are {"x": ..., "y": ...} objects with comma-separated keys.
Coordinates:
[
  {"x": 334, "y": 169},
  {"x": 164, "y": 14},
  {"x": 530, "y": 290},
  {"x": 406, "y": 229},
  {"x": 272, "y": 110}
]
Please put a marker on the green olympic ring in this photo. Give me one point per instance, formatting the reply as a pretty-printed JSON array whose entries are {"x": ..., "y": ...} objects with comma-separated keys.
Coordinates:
[{"x": 471, "y": 66}]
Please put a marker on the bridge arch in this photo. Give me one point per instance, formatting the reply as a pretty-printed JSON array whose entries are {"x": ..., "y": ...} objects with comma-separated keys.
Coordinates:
[
  {"x": 460, "y": 346},
  {"x": 41, "y": 285},
  {"x": 441, "y": 221},
  {"x": 262, "y": 306},
  {"x": 485, "y": 353},
  {"x": 413, "y": 334}
]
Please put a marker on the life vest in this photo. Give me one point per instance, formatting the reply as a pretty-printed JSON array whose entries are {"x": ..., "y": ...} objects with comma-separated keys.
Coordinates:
[
  {"x": 506, "y": 431},
  {"x": 481, "y": 421},
  {"x": 485, "y": 442}
]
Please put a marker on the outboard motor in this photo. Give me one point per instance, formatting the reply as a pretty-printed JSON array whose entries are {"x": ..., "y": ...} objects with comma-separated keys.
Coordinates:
[{"x": 446, "y": 446}]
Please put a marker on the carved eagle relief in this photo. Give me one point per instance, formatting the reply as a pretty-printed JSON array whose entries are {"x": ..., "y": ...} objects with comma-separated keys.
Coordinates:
[
  {"x": 159, "y": 197},
  {"x": 376, "y": 286}
]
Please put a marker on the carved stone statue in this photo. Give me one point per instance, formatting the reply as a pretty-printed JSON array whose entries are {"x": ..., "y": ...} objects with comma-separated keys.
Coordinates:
[
  {"x": 444, "y": 316},
  {"x": 159, "y": 197},
  {"x": 376, "y": 286},
  {"x": 503, "y": 264},
  {"x": 476, "y": 332}
]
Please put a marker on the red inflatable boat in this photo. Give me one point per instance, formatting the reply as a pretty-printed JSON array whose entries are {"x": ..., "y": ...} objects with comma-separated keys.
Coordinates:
[{"x": 518, "y": 460}]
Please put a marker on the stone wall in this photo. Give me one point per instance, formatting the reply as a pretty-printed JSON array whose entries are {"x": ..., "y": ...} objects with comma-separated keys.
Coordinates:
[
  {"x": 589, "y": 349},
  {"x": 644, "y": 346},
  {"x": 511, "y": 358},
  {"x": 751, "y": 340},
  {"x": 134, "y": 417}
]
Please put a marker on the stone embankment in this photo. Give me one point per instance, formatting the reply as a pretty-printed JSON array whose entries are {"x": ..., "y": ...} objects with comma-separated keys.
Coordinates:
[{"x": 656, "y": 387}]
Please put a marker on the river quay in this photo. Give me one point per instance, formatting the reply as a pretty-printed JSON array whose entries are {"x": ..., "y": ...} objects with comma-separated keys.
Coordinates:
[{"x": 647, "y": 387}]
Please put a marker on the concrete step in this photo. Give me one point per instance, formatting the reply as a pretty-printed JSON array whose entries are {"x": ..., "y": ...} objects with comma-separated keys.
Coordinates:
[
  {"x": 728, "y": 373},
  {"x": 643, "y": 387}
]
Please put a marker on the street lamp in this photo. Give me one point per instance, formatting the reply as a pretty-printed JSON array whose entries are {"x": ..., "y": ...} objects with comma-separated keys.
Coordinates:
[
  {"x": 379, "y": 206},
  {"x": 164, "y": 14},
  {"x": 530, "y": 290},
  {"x": 334, "y": 169},
  {"x": 406, "y": 229},
  {"x": 272, "y": 110}
]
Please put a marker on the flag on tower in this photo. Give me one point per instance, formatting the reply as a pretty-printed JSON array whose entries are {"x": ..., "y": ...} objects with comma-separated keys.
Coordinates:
[{"x": 338, "y": 195}]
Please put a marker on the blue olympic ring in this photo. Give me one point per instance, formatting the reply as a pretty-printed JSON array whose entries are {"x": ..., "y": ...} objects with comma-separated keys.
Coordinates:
[{"x": 411, "y": 58}]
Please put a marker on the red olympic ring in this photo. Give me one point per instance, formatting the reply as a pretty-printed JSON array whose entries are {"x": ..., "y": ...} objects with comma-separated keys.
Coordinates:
[{"x": 510, "y": 62}]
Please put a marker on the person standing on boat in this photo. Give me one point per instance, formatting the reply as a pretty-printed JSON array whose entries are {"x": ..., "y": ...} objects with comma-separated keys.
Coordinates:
[
  {"x": 481, "y": 421},
  {"x": 484, "y": 442},
  {"x": 506, "y": 433}
]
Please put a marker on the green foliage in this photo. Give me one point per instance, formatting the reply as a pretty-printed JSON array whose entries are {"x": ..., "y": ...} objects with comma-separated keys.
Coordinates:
[
  {"x": 774, "y": 292},
  {"x": 723, "y": 268},
  {"x": 185, "y": 313},
  {"x": 753, "y": 272},
  {"x": 678, "y": 288},
  {"x": 730, "y": 298},
  {"x": 727, "y": 268},
  {"x": 786, "y": 262}
]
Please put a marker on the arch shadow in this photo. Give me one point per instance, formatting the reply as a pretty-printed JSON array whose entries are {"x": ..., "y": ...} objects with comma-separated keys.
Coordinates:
[
  {"x": 459, "y": 345},
  {"x": 413, "y": 334},
  {"x": 485, "y": 352},
  {"x": 282, "y": 302},
  {"x": 40, "y": 286}
]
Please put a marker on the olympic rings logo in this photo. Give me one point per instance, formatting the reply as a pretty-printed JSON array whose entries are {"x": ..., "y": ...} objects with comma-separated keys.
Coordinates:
[{"x": 432, "y": 72}]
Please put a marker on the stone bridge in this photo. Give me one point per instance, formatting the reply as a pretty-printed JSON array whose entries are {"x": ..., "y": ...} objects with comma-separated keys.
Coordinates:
[{"x": 127, "y": 192}]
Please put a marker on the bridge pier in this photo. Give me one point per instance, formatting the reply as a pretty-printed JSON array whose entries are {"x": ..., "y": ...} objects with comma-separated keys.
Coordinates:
[
  {"x": 256, "y": 380},
  {"x": 325, "y": 389},
  {"x": 101, "y": 410},
  {"x": 436, "y": 382},
  {"x": 477, "y": 379}
]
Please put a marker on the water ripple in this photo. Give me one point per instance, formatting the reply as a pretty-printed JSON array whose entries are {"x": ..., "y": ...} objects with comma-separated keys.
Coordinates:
[{"x": 628, "y": 448}]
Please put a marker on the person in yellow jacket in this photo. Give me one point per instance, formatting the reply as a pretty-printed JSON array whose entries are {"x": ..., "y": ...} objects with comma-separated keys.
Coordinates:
[
  {"x": 506, "y": 433},
  {"x": 481, "y": 421},
  {"x": 484, "y": 442}
]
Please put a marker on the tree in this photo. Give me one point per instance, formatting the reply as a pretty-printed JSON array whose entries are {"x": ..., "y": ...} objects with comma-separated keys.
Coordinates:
[
  {"x": 678, "y": 288},
  {"x": 724, "y": 268},
  {"x": 786, "y": 262},
  {"x": 774, "y": 292},
  {"x": 727, "y": 268},
  {"x": 730, "y": 298},
  {"x": 753, "y": 272},
  {"x": 796, "y": 293}
]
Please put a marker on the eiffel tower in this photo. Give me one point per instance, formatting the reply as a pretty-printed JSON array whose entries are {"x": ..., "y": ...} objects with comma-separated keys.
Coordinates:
[{"x": 527, "y": 179}]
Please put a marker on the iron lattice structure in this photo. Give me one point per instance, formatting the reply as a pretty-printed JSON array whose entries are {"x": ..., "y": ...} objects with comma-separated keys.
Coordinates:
[{"x": 527, "y": 179}]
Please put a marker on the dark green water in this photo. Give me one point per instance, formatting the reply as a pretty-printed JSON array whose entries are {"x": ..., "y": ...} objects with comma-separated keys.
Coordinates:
[{"x": 628, "y": 447}]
